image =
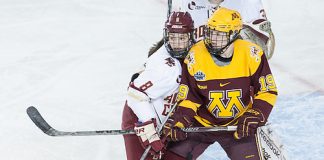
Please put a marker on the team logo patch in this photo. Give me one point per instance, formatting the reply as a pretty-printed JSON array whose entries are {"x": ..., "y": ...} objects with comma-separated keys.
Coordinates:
[
  {"x": 190, "y": 60},
  {"x": 199, "y": 76},
  {"x": 254, "y": 53},
  {"x": 170, "y": 62}
]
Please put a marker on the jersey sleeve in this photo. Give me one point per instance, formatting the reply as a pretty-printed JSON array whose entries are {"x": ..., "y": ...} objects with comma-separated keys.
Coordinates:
[
  {"x": 158, "y": 78},
  {"x": 253, "y": 10},
  {"x": 189, "y": 102},
  {"x": 155, "y": 81},
  {"x": 263, "y": 83},
  {"x": 188, "y": 93}
]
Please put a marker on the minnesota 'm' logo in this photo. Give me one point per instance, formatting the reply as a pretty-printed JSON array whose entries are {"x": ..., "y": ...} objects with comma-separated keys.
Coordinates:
[
  {"x": 234, "y": 16},
  {"x": 225, "y": 104}
]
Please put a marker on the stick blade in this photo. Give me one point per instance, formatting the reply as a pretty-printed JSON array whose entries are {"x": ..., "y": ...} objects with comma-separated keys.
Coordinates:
[{"x": 38, "y": 120}]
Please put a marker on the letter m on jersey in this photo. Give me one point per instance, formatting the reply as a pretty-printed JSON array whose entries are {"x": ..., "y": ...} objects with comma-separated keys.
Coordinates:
[{"x": 225, "y": 104}]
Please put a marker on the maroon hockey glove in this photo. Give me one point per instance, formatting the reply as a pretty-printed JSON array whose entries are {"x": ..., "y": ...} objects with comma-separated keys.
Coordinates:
[
  {"x": 248, "y": 123},
  {"x": 148, "y": 135},
  {"x": 172, "y": 128}
]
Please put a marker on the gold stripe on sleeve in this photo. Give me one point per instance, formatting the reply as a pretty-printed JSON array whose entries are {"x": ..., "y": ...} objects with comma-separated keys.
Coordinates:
[
  {"x": 189, "y": 104},
  {"x": 268, "y": 97}
]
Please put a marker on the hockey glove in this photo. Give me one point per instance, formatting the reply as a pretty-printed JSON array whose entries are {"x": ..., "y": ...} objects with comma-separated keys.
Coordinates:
[
  {"x": 148, "y": 135},
  {"x": 172, "y": 128},
  {"x": 248, "y": 123}
]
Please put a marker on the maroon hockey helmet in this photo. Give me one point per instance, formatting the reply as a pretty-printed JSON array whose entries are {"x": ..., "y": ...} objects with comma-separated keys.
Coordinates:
[{"x": 179, "y": 29}]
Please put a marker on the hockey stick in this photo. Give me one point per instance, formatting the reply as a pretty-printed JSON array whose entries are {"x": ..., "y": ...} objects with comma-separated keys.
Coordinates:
[
  {"x": 160, "y": 43},
  {"x": 210, "y": 129},
  {"x": 40, "y": 122},
  {"x": 169, "y": 8}
]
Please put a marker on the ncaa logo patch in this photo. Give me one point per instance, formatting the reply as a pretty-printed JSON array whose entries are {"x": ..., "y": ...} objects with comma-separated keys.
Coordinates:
[{"x": 199, "y": 76}]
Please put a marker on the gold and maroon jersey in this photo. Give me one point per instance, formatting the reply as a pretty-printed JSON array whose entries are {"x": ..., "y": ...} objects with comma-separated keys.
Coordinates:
[{"x": 218, "y": 95}]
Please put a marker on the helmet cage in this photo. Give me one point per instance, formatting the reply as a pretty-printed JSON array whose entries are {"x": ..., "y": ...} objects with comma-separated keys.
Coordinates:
[
  {"x": 217, "y": 41},
  {"x": 222, "y": 30},
  {"x": 177, "y": 44}
]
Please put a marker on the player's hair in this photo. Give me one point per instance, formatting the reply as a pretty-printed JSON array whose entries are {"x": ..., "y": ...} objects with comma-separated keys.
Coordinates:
[{"x": 155, "y": 47}]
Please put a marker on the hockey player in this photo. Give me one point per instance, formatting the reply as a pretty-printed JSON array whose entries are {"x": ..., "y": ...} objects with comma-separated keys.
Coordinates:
[
  {"x": 215, "y": 88},
  {"x": 153, "y": 91},
  {"x": 257, "y": 28}
]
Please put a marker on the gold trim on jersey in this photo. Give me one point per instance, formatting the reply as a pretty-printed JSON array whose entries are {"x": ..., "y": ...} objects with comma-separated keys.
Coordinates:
[
  {"x": 245, "y": 54},
  {"x": 189, "y": 104},
  {"x": 257, "y": 141},
  {"x": 207, "y": 123},
  {"x": 268, "y": 97},
  {"x": 203, "y": 121}
]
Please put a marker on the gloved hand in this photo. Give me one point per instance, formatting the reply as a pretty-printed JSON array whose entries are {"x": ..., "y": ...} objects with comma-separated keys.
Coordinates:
[
  {"x": 148, "y": 135},
  {"x": 248, "y": 123},
  {"x": 172, "y": 128}
]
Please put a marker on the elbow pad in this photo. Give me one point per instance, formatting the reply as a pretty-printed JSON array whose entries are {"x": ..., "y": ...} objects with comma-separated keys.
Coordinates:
[{"x": 137, "y": 95}]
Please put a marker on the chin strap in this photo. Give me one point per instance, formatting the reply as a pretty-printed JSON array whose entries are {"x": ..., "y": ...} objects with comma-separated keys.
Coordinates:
[{"x": 227, "y": 52}]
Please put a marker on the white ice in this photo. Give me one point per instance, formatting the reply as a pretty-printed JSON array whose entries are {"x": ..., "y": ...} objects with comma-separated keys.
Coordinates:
[{"x": 72, "y": 59}]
